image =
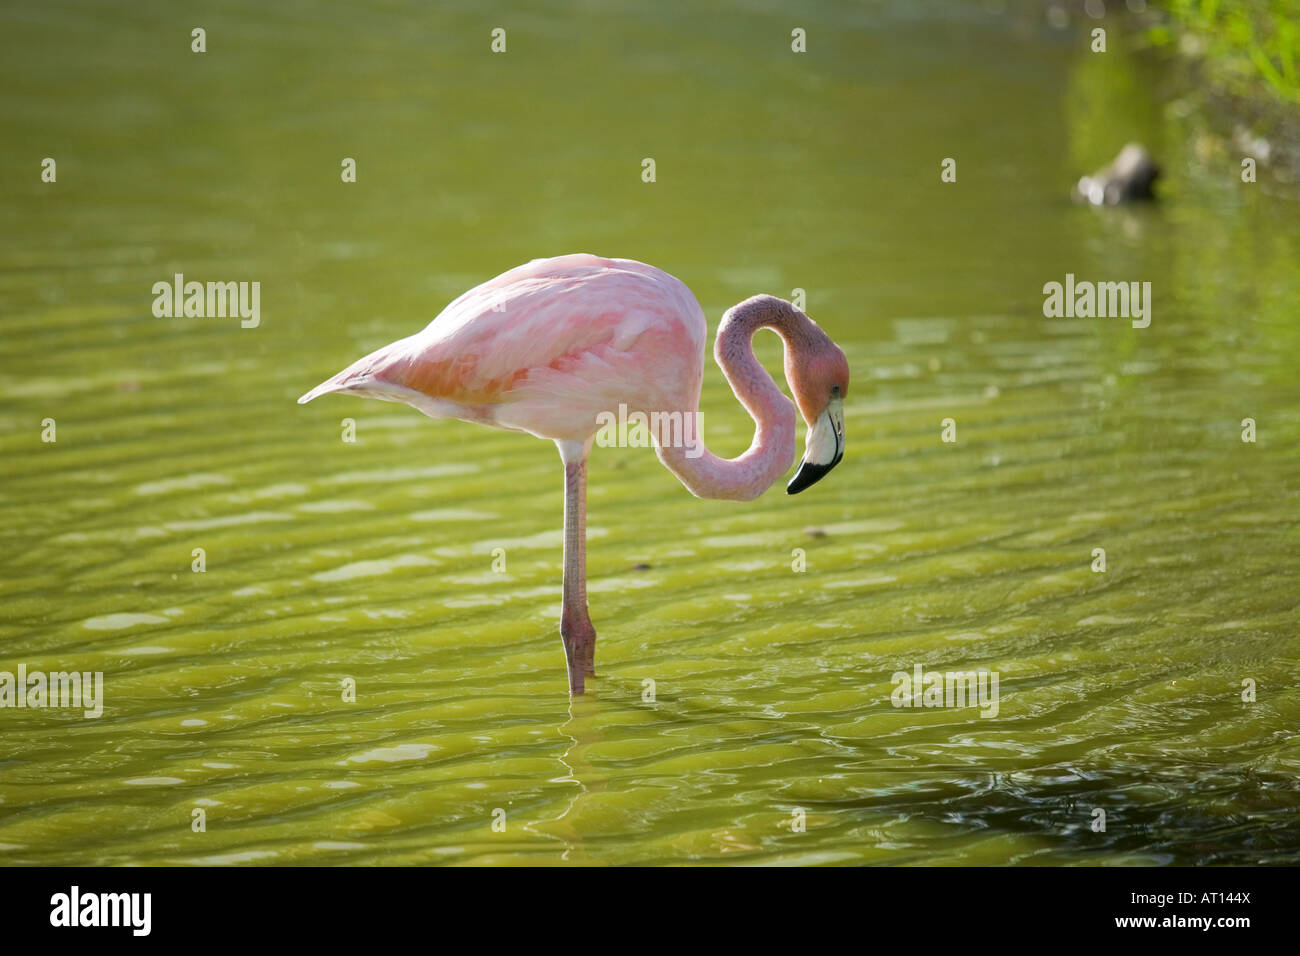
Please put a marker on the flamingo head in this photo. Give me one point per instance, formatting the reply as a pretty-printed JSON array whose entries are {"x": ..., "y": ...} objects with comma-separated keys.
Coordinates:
[{"x": 818, "y": 375}]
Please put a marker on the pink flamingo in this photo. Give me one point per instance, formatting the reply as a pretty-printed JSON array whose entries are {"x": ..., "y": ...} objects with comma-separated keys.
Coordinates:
[{"x": 554, "y": 347}]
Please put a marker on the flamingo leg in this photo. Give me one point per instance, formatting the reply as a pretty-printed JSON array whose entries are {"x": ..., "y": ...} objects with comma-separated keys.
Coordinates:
[{"x": 575, "y": 624}]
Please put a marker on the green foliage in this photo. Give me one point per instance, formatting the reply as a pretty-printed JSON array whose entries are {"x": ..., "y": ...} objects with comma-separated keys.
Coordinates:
[{"x": 1248, "y": 43}]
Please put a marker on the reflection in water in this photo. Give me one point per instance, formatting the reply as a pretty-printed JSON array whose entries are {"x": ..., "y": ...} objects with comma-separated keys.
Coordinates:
[{"x": 582, "y": 731}]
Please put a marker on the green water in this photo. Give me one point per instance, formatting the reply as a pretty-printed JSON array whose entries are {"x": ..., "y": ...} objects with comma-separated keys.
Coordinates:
[{"x": 373, "y": 561}]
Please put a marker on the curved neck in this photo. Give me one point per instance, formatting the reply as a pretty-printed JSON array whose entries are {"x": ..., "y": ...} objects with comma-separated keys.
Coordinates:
[{"x": 772, "y": 451}]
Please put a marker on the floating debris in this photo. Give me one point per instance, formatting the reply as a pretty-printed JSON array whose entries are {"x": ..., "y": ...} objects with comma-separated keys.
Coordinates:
[{"x": 1126, "y": 179}]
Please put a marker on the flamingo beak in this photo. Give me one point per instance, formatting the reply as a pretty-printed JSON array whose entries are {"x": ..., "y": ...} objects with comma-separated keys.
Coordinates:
[{"x": 823, "y": 448}]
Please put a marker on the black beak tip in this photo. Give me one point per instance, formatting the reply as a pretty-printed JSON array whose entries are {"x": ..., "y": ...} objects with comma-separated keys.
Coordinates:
[{"x": 808, "y": 475}]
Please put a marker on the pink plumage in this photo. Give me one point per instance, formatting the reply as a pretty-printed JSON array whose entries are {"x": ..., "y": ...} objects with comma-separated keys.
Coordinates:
[
  {"x": 551, "y": 347},
  {"x": 545, "y": 348}
]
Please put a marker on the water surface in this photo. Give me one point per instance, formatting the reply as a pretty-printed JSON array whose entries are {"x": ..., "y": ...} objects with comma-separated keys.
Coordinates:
[{"x": 372, "y": 561}]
